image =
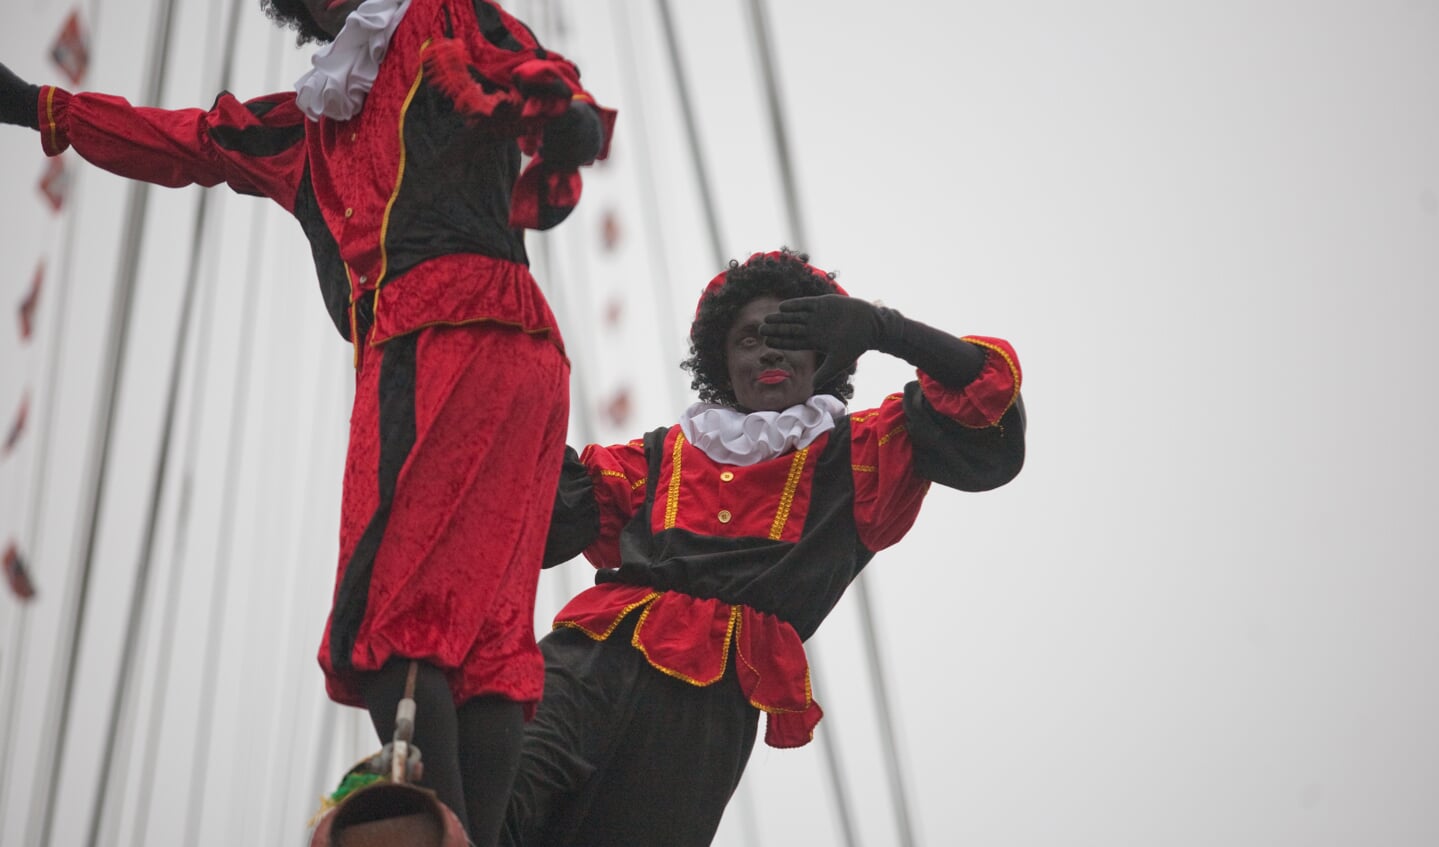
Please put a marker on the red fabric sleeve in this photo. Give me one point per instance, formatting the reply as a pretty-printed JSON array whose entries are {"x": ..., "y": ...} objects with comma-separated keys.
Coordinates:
[
  {"x": 887, "y": 491},
  {"x": 985, "y": 400},
  {"x": 496, "y": 72},
  {"x": 179, "y": 147},
  {"x": 619, "y": 474}
]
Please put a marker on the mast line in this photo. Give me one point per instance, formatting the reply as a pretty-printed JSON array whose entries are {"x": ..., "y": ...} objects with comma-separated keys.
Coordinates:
[
  {"x": 39, "y": 477},
  {"x": 202, "y": 226},
  {"x": 794, "y": 211},
  {"x": 117, "y": 336},
  {"x": 701, "y": 171}
]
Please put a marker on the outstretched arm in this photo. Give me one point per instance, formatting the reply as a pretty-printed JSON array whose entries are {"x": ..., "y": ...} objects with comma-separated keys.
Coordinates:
[
  {"x": 842, "y": 328},
  {"x": 963, "y": 419},
  {"x": 256, "y": 147}
]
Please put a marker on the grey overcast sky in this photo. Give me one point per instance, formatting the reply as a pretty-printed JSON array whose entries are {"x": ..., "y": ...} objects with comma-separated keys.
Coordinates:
[{"x": 1203, "y": 614}]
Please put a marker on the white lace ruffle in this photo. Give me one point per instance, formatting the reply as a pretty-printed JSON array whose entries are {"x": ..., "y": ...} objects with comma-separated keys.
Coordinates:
[
  {"x": 732, "y": 437},
  {"x": 345, "y": 69}
]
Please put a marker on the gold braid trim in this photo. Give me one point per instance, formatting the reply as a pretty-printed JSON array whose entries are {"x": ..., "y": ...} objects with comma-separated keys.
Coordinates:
[
  {"x": 1013, "y": 374},
  {"x": 50, "y": 117},
  {"x": 399, "y": 179},
  {"x": 775, "y": 710},
  {"x": 672, "y": 497},
  {"x": 724, "y": 654},
  {"x": 601, "y": 636},
  {"x": 786, "y": 500},
  {"x": 884, "y": 439}
]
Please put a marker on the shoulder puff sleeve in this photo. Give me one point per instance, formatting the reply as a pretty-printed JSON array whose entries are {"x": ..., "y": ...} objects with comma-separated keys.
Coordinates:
[
  {"x": 256, "y": 147},
  {"x": 887, "y": 490},
  {"x": 971, "y": 439},
  {"x": 600, "y": 490}
]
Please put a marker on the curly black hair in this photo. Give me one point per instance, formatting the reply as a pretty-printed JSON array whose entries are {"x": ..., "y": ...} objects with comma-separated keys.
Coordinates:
[
  {"x": 292, "y": 14},
  {"x": 784, "y": 274}
]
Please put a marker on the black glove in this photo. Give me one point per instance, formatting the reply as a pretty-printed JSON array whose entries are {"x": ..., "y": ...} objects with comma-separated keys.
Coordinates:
[
  {"x": 842, "y": 328},
  {"x": 19, "y": 100},
  {"x": 574, "y": 138},
  {"x": 837, "y": 327}
]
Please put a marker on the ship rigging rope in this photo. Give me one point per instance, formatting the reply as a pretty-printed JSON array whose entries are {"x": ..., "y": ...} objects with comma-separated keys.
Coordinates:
[
  {"x": 140, "y": 588},
  {"x": 58, "y": 714},
  {"x": 653, "y": 221},
  {"x": 794, "y": 210},
  {"x": 205, "y": 227},
  {"x": 42, "y": 426},
  {"x": 229, "y": 481}
]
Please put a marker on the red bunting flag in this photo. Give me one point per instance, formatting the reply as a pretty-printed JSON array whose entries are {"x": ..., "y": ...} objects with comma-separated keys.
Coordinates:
[
  {"x": 17, "y": 574},
  {"x": 611, "y": 233},
  {"x": 613, "y": 313},
  {"x": 71, "y": 50},
  {"x": 55, "y": 182},
  {"x": 617, "y": 409},
  {"x": 18, "y": 428},
  {"x": 31, "y": 301}
]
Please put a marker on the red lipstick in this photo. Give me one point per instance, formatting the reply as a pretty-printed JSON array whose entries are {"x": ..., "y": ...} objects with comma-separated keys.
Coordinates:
[{"x": 773, "y": 377}]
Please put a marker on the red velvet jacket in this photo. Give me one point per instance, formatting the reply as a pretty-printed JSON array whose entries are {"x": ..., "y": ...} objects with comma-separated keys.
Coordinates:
[
  {"x": 414, "y": 208},
  {"x": 718, "y": 558}
]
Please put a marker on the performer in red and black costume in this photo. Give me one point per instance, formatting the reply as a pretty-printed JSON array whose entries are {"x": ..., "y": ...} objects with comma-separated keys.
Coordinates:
[
  {"x": 400, "y": 155},
  {"x": 723, "y": 541}
]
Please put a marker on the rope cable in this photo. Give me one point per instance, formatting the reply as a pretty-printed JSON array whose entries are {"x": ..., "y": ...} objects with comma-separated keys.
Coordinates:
[
  {"x": 39, "y": 475},
  {"x": 649, "y": 203},
  {"x": 56, "y": 734},
  {"x": 794, "y": 212},
  {"x": 224, "y": 537},
  {"x": 701, "y": 170}
]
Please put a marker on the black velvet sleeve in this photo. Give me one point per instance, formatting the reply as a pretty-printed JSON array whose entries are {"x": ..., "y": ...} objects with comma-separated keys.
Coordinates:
[
  {"x": 19, "y": 100},
  {"x": 575, "y": 523},
  {"x": 959, "y": 457}
]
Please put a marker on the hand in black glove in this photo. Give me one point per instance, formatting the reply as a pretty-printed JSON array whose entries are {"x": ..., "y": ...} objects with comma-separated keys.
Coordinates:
[
  {"x": 574, "y": 138},
  {"x": 19, "y": 100},
  {"x": 842, "y": 328},
  {"x": 839, "y": 328}
]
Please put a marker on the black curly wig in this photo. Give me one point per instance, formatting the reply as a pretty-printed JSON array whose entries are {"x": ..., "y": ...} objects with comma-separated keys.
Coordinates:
[
  {"x": 292, "y": 14},
  {"x": 784, "y": 274}
]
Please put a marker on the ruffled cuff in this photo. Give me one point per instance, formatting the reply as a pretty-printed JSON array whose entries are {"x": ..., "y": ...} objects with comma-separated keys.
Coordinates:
[
  {"x": 537, "y": 90},
  {"x": 53, "y": 107},
  {"x": 985, "y": 400}
]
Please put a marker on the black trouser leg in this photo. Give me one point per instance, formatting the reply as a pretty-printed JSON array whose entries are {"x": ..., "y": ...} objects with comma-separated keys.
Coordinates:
[
  {"x": 491, "y": 733},
  {"x": 436, "y": 725}
]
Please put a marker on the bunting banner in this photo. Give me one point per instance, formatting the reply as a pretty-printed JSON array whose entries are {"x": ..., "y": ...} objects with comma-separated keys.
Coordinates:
[
  {"x": 55, "y": 183},
  {"x": 17, "y": 575},
  {"x": 71, "y": 51},
  {"x": 31, "y": 302},
  {"x": 617, "y": 409},
  {"x": 611, "y": 234},
  {"x": 17, "y": 429}
]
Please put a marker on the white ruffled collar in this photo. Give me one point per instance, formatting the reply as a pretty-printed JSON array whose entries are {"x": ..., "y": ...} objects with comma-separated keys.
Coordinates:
[
  {"x": 344, "y": 70},
  {"x": 732, "y": 437}
]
